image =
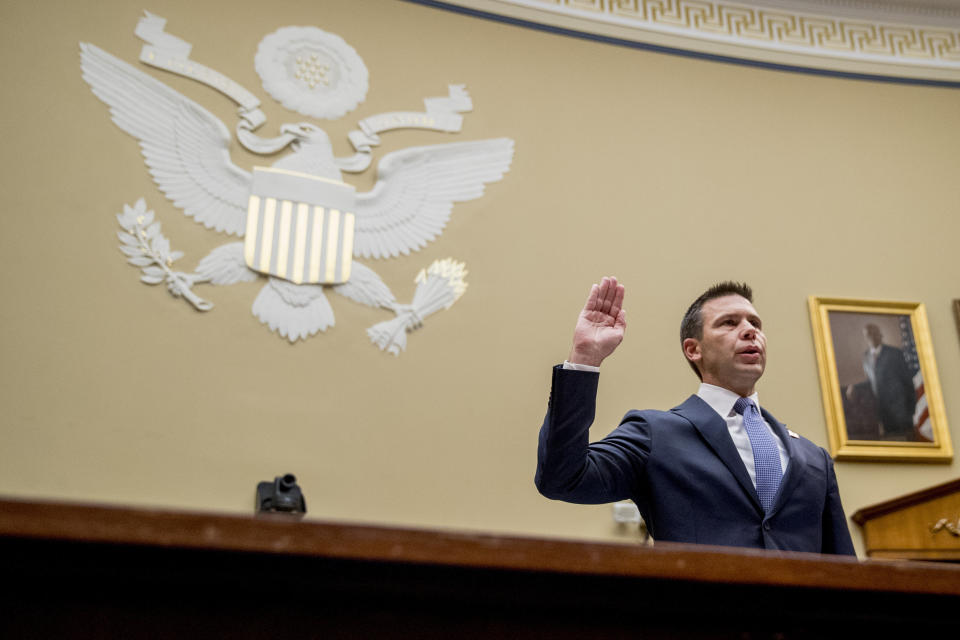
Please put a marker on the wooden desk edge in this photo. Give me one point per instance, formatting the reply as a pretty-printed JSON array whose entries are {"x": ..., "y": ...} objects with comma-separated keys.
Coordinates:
[{"x": 197, "y": 530}]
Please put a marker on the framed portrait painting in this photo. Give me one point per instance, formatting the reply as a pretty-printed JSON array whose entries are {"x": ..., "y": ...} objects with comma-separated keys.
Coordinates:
[{"x": 881, "y": 392}]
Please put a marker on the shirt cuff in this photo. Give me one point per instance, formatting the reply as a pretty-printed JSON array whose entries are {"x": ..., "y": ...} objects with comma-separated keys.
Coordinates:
[{"x": 580, "y": 367}]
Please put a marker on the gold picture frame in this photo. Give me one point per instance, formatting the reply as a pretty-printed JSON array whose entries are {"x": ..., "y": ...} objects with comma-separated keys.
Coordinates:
[{"x": 871, "y": 355}]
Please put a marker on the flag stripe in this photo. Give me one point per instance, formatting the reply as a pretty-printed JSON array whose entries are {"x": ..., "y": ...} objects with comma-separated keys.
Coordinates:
[
  {"x": 315, "y": 247},
  {"x": 297, "y": 272},
  {"x": 266, "y": 245},
  {"x": 331, "y": 250},
  {"x": 283, "y": 239},
  {"x": 346, "y": 253},
  {"x": 921, "y": 414}
]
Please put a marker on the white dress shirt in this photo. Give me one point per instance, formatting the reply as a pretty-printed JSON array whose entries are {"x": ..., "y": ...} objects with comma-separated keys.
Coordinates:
[
  {"x": 722, "y": 400},
  {"x": 870, "y": 366}
]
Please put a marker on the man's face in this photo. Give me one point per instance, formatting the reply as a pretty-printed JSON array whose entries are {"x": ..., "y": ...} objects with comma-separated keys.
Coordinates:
[
  {"x": 733, "y": 350},
  {"x": 872, "y": 335}
]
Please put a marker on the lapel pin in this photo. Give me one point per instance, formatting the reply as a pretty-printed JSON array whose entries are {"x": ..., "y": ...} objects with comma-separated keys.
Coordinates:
[{"x": 792, "y": 433}]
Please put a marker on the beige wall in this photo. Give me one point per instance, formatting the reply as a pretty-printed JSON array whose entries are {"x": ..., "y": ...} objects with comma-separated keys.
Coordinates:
[{"x": 668, "y": 172}]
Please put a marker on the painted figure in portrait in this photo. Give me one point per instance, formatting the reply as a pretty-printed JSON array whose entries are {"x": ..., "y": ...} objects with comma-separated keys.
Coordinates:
[{"x": 880, "y": 378}]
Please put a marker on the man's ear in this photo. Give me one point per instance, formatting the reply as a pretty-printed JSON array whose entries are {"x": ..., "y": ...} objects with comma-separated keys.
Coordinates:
[{"x": 691, "y": 349}]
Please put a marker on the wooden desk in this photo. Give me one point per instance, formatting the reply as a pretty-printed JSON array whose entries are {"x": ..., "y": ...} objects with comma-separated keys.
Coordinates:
[
  {"x": 103, "y": 572},
  {"x": 924, "y": 525}
]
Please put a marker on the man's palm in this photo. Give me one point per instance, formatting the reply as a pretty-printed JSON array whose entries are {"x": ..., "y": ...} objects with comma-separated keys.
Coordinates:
[{"x": 601, "y": 324}]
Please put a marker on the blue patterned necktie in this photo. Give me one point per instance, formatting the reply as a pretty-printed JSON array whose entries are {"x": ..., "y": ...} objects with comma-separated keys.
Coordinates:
[{"x": 766, "y": 457}]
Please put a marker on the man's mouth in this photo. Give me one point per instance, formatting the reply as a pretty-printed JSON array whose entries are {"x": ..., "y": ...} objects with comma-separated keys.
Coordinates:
[{"x": 752, "y": 352}]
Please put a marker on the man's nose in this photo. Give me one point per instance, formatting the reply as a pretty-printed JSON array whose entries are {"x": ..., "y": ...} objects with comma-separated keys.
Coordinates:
[{"x": 748, "y": 331}]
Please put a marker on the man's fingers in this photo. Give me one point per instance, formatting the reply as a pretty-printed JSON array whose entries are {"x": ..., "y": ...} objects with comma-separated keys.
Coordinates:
[
  {"x": 608, "y": 287},
  {"x": 591, "y": 302},
  {"x": 617, "y": 300},
  {"x": 614, "y": 300},
  {"x": 603, "y": 292},
  {"x": 605, "y": 297}
]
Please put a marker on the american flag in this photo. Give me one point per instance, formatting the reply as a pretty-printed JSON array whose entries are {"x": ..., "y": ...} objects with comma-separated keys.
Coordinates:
[{"x": 921, "y": 415}]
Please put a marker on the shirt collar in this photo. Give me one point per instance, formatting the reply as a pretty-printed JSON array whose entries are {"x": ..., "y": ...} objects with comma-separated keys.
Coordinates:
[{"x": 722, "y": 400}]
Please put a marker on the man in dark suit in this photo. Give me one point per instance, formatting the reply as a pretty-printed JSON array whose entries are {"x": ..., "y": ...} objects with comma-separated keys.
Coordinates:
[
  {"x": 714, "y": 470},
  {"x": 890, "y": 385}
]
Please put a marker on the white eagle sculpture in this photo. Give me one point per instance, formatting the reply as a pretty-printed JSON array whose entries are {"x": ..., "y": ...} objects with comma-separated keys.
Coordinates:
[{"x": 186, "y": 149}]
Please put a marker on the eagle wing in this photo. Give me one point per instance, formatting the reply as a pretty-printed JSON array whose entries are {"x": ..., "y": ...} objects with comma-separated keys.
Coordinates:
[
  {"x": 415, "y": 191},
  {"x": 185, "y": 146}
]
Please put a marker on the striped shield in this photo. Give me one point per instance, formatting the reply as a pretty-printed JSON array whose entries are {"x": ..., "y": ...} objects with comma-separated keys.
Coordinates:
[{"x": 299, "y": 227}]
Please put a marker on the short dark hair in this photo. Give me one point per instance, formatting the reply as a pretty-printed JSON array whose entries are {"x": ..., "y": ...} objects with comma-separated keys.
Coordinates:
[{"x": 692, "y": 324}]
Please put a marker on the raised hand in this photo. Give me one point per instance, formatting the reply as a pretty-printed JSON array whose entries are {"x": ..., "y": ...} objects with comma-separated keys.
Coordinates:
[{"x": 601, "y": 324}]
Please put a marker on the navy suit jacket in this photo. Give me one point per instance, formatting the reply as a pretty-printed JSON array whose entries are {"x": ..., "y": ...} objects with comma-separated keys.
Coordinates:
[
  {"x": 683, "y": 471},
  {"x": 895, "y": 396}
]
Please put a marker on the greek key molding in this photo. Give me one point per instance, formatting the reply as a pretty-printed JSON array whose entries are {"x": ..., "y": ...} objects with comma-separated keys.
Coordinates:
[
  {"x": 857, "y": 37},
  {"x": 768, "y": 27}
]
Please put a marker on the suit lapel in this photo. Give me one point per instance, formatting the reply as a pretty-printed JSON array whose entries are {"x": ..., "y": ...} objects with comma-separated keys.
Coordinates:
[
  {"x": 795, "y": 467},
  {"x": 714, "y": 431}
]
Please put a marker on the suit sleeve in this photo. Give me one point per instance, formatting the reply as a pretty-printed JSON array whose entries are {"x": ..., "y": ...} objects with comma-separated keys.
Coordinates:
[
  {"x": 571, "y": 469},
  {"x": 836, "y": 534}
]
